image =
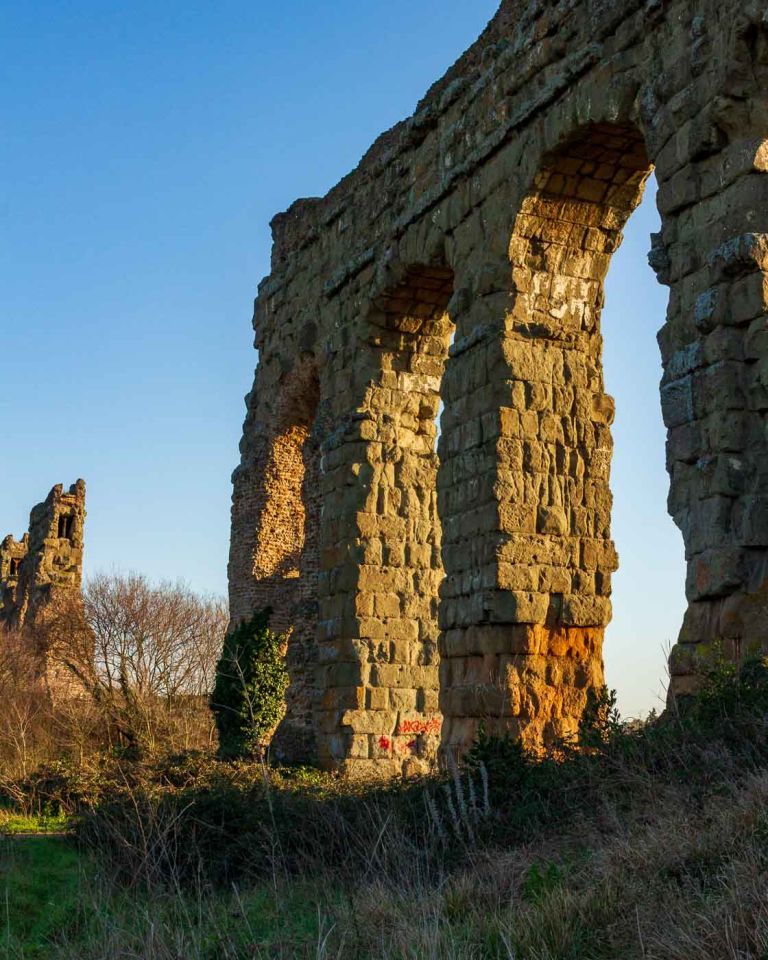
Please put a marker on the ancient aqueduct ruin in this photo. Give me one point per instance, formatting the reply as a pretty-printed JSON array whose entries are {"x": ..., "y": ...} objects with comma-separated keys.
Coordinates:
[{"x": 463, "y": 260}]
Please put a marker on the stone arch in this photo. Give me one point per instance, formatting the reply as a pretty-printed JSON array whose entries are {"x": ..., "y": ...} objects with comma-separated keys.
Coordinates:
[
  {"x": 283, "y": 553},
  {"x": 525, "y": 440},
  {"x": 525, "y": 654}
]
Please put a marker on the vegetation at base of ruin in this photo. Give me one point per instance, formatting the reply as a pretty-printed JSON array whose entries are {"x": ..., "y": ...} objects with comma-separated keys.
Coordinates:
[
  {"x": 248, "y": 700},
  {"x": 642, "y": 841},
  {"x": 125, "y": 671},
  {"x": 639, "y": 840},
  {"x": 232, "y": 823}
]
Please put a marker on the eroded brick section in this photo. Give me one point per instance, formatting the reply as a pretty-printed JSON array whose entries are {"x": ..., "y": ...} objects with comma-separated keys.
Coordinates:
[{"x": 464, "y": 260}]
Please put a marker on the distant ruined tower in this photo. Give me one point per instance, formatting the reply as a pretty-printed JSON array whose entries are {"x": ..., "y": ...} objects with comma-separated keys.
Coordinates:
[{"x": 48, "y": 560}]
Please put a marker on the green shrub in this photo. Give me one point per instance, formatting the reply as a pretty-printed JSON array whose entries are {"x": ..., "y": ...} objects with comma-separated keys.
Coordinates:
[
  {"x": 730, "y": 694},
  {"x": 503, "y": 757},
  {"x": 540, "y": 880},
  {"x": 248, "y": 699},
  {"x": 601, "y": 719}
]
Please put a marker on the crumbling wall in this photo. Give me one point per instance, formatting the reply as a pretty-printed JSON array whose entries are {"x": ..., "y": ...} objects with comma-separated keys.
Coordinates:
[
  {"x": 12, "y": 554},
  {"x": 48, "y": 561},
  {"x": 464, "y": 261}
]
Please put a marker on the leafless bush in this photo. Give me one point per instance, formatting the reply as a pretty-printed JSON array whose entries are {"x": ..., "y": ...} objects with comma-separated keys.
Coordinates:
[
  {"x": 126, "y": 664},
  {"x": 24, "y": 728},
  {"x": 146, "y": 655}
]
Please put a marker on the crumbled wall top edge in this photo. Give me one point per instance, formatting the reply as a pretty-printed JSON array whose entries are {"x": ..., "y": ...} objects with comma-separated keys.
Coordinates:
[
  {"x": 291, "y": 227},
  {"x": 76, "y": 489},
  {"x": 10, "y": 543},
  {"x": 514, "y": 31}
]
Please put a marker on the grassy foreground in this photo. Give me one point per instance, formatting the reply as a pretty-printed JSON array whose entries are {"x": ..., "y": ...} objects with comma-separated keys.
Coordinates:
[
  {"x": 668, "y": 882},
  {"x": 40, "y": 879},
  {"x": 55, "y": 904},
  {"x": 646, "y": 843}
]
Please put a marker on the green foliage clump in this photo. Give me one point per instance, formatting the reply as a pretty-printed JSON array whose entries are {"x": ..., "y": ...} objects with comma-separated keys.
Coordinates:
[
  {"x": 248, "y": 699},
  {"x": 601, "y": 719},
  {"x": 48, "y": 821},
  {"x": 540, "y": 880},
  {"x": 500, "y": 754},
  {"x": 731, "y": 694}
]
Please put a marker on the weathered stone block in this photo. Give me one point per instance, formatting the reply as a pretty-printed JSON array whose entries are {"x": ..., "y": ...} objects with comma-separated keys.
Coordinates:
[
  {"x": 715, "y": 573},
  {"x": 377, "y": 722},
  {"x": 551, "y": 520},
  {"x": 512, "y": 606},
  {"x": 750, "y": 520},
  {"x": 677, "y": 402},
  {"x": 585, "y": 611}
]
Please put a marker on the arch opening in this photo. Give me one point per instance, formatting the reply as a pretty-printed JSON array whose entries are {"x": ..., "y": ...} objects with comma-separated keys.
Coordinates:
[
  {"x": 559, "y": 546},
  {"x": 524, "y": 621},
  {"x": 286, "y": 554},
  {"x": 649, "y": 544}
]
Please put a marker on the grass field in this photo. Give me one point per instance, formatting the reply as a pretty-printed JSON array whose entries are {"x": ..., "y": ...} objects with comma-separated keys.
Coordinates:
[
  {"x": 656, "y": 882},
  {"x": 41, "y": 878},
  {"x": 55, "y": 904}
]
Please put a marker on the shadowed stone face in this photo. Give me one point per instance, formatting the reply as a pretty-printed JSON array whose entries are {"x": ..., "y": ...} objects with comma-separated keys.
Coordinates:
[{"x": 434, "y": 586}]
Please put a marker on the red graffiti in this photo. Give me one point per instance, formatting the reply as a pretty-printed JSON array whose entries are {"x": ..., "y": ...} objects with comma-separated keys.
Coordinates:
[
  {"x": 421, "y": 726},
  {"x": 400, "y": 746},
  {"x": 397, "y": 746}
]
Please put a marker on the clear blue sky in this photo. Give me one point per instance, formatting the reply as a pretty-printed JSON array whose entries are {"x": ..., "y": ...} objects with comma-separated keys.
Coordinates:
[{"x": 146, "y": 147}]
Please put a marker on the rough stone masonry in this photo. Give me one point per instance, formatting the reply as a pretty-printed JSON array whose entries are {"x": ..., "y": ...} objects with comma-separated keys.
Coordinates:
[
  {"x": 429, "y": 591},
  {"x": 48, "y": 560}
]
